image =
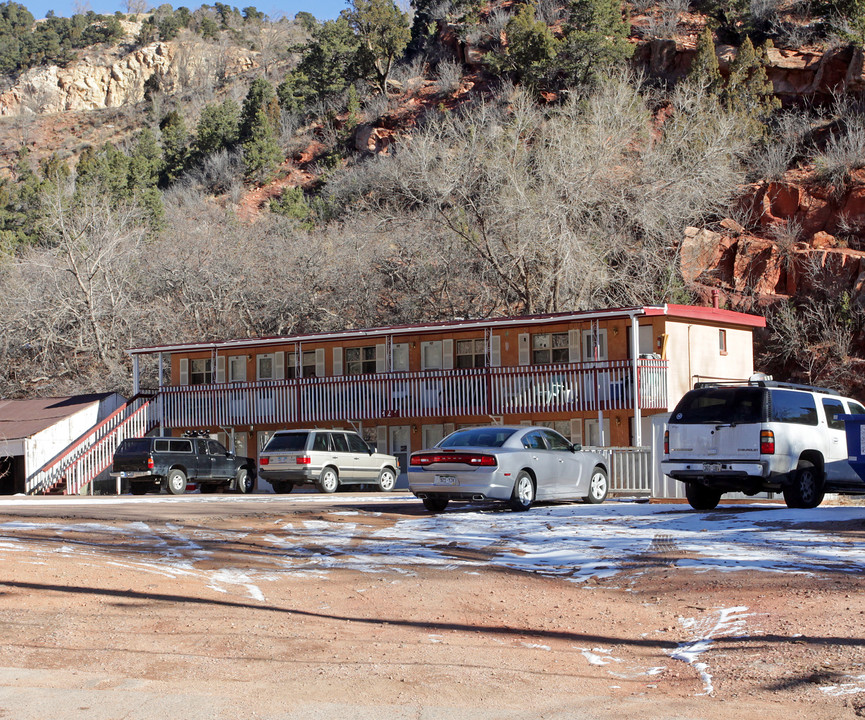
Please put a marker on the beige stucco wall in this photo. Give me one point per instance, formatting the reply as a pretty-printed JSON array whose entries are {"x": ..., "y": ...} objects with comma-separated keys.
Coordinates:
[{"x": 694, "y": 354}]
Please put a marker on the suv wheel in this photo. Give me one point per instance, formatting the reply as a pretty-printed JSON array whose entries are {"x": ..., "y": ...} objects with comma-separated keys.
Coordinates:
[
  {"x": 701, "y": 497},
  {"x": 328, "y": 481},
  {"x": 386, "y": 480},
  {"x": 806, "y": 491}
]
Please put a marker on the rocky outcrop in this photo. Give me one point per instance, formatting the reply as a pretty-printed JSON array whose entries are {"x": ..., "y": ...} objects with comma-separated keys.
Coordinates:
[
  {"x": 794, "y": 73},
  {"x": 115, "y": 78},
  {"x": 804, "y": 237}
]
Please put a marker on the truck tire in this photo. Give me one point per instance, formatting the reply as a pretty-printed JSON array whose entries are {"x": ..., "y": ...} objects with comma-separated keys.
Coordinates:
[
  {"x": 175, "y": 482},
  {"x": 244, "y": 481},
  {"x": 806, "y": 490},
  {"x": 701, "y": 497}
]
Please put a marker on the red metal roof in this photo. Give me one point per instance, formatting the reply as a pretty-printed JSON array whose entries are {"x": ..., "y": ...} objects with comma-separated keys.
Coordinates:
[
  {"x": 726, "y": 317},
  {"x": 21, "y": 419},
  {"x": 709, "y": 314}
]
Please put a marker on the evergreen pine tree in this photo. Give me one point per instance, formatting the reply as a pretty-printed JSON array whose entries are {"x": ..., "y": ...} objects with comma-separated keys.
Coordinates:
[
  {"x": 145, "y": 161},
  {"x": 175, "y": 149},
  {"x": 328, "y": 66},
  {"x": 260, "y": 98},
  {"x": 705, "y": 70},
  {"x": 531, "y": 49},
  {"x": 261, "y": 152},
  {"x": 749, "y": 92},
  {"x": 383, "y": 31},
  {"x": 596, "y": 38},
  {"x": 217, "y": 129}
]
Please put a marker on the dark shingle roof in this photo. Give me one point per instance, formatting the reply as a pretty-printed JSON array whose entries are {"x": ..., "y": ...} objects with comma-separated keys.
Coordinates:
[{"x": 24, "y": 418}]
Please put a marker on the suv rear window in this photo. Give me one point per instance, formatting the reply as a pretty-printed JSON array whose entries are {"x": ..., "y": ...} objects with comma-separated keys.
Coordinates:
[
  {"x": 720, "y": 405},
  {"x": 793, "y": 407},
  {"x": 291, "y": 442}
]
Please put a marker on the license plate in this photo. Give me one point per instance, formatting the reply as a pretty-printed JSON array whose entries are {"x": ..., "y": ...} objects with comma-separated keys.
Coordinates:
[
  {"x": 445, "y": 480},
  {"x": 284, "y": 459},
  {"x": 711, "y": 467}
]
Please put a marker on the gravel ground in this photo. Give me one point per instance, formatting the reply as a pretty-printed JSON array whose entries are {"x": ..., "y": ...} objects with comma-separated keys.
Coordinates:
[{"x": 291, "y": 610}]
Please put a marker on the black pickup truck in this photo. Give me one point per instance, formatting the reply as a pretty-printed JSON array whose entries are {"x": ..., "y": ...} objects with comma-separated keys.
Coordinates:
[{"x": 151, "y": 463}]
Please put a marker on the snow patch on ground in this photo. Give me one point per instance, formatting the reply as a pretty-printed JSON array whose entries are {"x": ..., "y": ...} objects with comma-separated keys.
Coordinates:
[
  {"x": 851, "y": 686},
  {"x": 729, "y": 621},
  {"x": 598, "y": 656},
  {"x": 573, "y": 542}
]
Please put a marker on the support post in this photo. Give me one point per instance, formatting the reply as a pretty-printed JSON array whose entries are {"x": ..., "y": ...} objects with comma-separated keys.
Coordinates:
[
  {"x": 136, "y": 379},
  {"x": 635, "y": 358}
]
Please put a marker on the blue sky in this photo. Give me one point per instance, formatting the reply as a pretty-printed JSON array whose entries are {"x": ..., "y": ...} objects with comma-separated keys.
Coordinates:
[{"x": 322, "y": 9}]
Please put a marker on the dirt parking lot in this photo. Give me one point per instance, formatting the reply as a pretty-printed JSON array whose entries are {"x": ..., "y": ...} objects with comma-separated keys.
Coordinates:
[{"x": 367, "y": 607}]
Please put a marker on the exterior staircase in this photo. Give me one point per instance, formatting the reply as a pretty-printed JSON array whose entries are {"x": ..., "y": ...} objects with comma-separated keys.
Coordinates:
[{"x": 91, "y": 454}]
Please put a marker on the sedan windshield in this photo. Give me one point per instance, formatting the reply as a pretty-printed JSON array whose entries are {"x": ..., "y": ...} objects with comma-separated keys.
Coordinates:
[{"x": 477, "y": 437}]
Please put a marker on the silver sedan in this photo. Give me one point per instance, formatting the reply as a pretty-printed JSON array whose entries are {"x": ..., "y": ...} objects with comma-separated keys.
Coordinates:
[{"x": 517, "y": 465}]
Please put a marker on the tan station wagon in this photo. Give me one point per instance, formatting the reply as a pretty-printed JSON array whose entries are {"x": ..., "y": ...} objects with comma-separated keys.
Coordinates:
[{"x": 325, "y": 458}]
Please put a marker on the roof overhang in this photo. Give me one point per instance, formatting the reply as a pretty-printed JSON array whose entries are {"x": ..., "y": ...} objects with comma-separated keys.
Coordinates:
[
  {"x": 713, "y": 315},
  {"x": 726, "y": 317}
]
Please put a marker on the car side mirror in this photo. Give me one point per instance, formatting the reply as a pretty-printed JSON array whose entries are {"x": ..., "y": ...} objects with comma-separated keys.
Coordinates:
[
  {"x": 229, "y": 454},
  {"x": 576, "y": 447}
]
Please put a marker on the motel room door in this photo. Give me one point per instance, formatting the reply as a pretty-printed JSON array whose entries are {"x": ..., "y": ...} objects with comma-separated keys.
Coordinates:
[{"x": 400, "y": 445}]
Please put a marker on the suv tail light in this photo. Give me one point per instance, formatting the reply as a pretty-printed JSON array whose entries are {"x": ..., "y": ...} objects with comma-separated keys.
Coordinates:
[
  {"x": 150, "y": 463},
  {"x": 264, "y": 461},
  {"x": 473, "y": 459},
  {"x": 303, "y": 460},
  {"x": 767, "y": 442},
  {"x": 666, "y": 442}
]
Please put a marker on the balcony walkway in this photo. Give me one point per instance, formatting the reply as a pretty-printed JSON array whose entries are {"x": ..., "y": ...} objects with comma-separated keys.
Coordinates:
[{"x": 566, "y": 388}]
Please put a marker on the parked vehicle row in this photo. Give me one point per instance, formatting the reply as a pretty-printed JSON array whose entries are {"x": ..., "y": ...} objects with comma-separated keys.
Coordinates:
[
  {"x": 754, "y": 437},
  {"x": 517, "y": 465}
]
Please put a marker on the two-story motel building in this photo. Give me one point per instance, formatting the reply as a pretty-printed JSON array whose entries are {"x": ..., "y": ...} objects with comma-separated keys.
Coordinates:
[{"x": 405, "y": 387}]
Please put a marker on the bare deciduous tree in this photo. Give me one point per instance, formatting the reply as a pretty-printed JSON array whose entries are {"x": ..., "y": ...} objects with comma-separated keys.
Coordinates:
[
  {"x": 568, "y": 208},
  {"x": 136, "y": 7}
]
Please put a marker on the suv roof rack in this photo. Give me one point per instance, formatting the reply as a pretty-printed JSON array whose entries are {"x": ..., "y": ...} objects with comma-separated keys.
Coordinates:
[
  {"x": 766, "y": 383},
  {"x": 794, "y": 386}
]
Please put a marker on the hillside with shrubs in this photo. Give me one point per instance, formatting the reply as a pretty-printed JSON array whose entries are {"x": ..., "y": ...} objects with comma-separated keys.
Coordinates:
[{"x": 174, "y": 174}]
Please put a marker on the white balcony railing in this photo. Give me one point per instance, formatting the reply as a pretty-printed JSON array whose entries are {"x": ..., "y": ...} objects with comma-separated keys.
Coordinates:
[{"x": 571, "y": 387}]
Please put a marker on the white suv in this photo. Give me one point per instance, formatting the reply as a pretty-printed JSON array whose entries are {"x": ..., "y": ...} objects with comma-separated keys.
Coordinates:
[{"x": 760, "y": 436}]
